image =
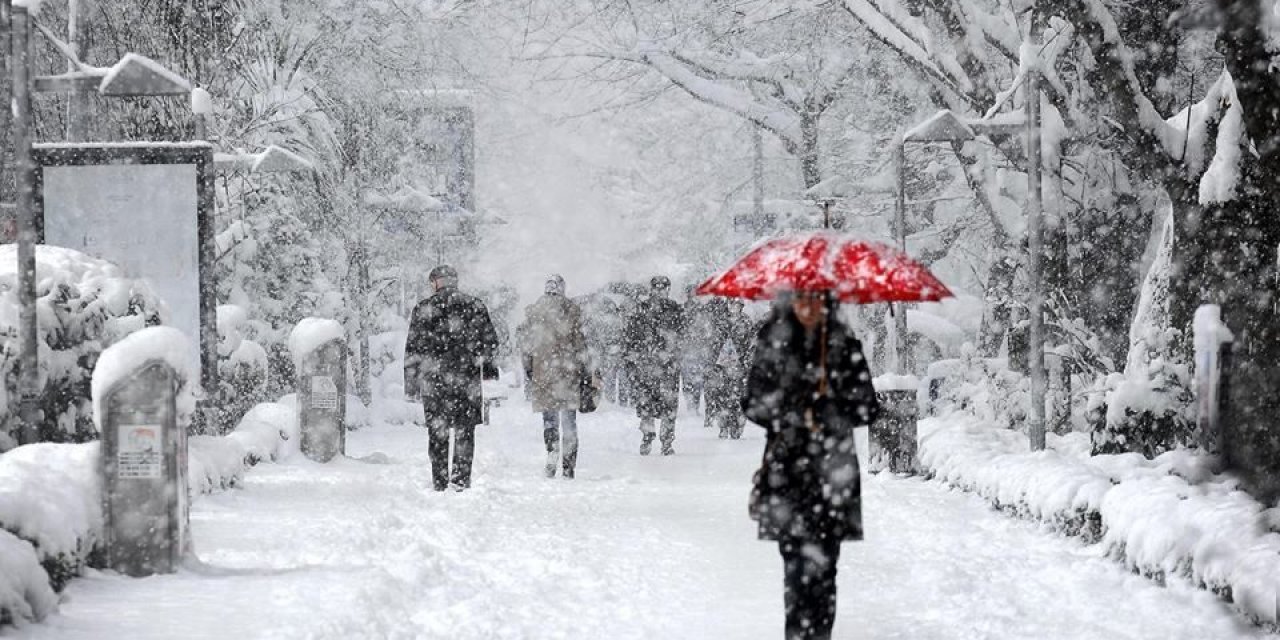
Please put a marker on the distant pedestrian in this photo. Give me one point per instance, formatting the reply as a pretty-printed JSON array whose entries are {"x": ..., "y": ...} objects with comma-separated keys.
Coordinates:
[
  {"x": 727, "y": 375},
  {"x": 809, "y": 387},
  {"x": 555, "y": 364},
  {"x": 652, "y": 339},
  {"x": 696, "y": 355},
  {"x": 451, "y": 345}
]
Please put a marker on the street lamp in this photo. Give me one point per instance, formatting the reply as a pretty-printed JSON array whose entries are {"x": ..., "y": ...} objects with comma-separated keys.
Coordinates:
[{"x": 133, "y": 75}]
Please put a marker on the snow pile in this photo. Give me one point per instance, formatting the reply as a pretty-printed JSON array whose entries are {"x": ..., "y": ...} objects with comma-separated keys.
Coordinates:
[
  {"x": 25, "y": 594},
  {"x": 269, "y": 431},
  {"x": 311, "y": 334},
  {"x": 83, "y": 304},
  {"x": 123, "y": 359},
  {"x": 983, "y": 387},
  {"x": 1171, "y": 516}
]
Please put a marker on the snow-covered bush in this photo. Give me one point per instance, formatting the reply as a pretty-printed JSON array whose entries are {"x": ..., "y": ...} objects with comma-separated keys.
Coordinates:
[
  {"x": 983, "y": 387},
  {"x": 242, "y": 366},
  {"x": 84, "y": 305}
]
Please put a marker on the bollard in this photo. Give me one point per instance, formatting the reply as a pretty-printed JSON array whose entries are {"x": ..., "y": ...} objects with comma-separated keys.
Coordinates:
[
  {"x": 892, "y": 437},
  {"x": 320, "y": 355},
  {"x": 144, "y": 467},
  {"x": 1213, "y": 346}
]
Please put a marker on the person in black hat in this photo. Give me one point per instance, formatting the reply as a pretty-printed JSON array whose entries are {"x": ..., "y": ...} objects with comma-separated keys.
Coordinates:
[
  {"x": 450, "y": 347},
  {"x": 651, "y": 342}
]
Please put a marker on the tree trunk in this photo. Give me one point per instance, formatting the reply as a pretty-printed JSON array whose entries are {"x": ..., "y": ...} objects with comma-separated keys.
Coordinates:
[
  {"x": 810, "y": 166},
  {"x": 998, "y": 295}
]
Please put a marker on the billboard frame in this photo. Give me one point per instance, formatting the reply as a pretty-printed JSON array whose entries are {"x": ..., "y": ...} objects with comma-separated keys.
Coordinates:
[{"x": 199, "y": 154}]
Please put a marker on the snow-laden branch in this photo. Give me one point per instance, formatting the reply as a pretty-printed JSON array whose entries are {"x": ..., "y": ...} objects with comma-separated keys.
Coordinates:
[{"x": 887, "y": 30}]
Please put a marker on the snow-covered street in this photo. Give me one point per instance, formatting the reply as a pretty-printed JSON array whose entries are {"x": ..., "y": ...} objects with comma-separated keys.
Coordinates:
[{"x": 633, "y": 548}]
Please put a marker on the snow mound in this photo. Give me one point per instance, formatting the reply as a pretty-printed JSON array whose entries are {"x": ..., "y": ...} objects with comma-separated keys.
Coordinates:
[
  {"x": 25, "y": 594},
  {"x": 123, "y": 359},
  {"x": 266, "y": 433},
  {"x": 311, "y": 334},
  {"x": 1168, "y": 517}
]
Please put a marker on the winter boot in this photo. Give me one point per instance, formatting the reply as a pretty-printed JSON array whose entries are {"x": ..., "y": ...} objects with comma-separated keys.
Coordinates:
[
  {"x": 667, "y": 449},
  {"x": 553, "y": 461},
  {"x": 724, "y": 432},
  {"x": 646, "y": 444}
]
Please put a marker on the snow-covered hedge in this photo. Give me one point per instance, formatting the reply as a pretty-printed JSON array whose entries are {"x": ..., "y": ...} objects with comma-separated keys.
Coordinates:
[
  {"x": 983, "y": 387},
  {"x": 1173, "y": 516},
  {"x": 84, "y": 304},
  {"x": 242, "y": 366},
  {"x": 51, "y": 510}
]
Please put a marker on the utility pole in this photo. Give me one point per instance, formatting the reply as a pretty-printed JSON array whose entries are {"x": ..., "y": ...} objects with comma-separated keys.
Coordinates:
[
  {"x": 24, "y": 164},
  {"x": 1035, "y": 239},
  {"x": 900, "y": 236},
  {"x": 757, "y": 177},
  {"x": 78, "y": 100}
]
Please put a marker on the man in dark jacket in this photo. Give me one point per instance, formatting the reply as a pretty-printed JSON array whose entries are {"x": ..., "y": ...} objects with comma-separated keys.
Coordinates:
[
  {"x": 651, "y": 341},
  {"x": 809, "y": 387},
  {"x": 451, "y": 343}
]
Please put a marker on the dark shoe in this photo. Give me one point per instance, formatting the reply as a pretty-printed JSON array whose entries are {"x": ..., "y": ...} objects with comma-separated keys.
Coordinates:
[
  {"x": 567, "y": 474},
  {"x": 667, "y": 449},
  {"x": 724, "y": 433},
  {"x": 646, "y": 444}
]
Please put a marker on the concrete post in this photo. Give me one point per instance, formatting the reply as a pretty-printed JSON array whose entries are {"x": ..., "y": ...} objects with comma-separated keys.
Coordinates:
[
  {"x": 144, "y": 467},
  {"x": 322, "y": 401}
]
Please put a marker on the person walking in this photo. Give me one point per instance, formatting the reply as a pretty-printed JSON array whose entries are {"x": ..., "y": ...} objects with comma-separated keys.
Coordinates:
[
  {"x": 651, "y": 338},
  {"x": 726, "y": 377},
  {"x": 809, "y": 387},
  {"x": 451, "y": 345},
  {"x": 555, "y": 364}
]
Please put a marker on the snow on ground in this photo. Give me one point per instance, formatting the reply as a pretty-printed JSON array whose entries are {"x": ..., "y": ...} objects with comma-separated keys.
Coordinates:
[{"x": 634, "y": 548}]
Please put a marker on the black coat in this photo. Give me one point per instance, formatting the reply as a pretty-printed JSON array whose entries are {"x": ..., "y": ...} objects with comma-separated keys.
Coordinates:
[
  {"x": 808, "y": 483},
  {"x": 651, "y": 344},
  {"x": 449, "y": 335}
]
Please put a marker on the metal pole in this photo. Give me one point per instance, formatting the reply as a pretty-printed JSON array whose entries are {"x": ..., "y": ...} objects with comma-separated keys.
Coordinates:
[
  {"x": 78, "y": 101},
  {"x": 900, "y": 235},
  {"x": 28, "y": 363},
  {"x": 757, "y": 176},
  {"x": 1035, "y": 248}
]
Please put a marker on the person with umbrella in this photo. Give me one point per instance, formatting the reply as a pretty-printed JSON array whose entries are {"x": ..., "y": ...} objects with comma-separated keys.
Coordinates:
[{"x": 809, "y": 387}]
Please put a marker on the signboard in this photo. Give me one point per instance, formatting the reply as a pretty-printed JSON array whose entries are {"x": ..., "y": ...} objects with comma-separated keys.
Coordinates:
[
  {"x": 147, "y": 207},
  {"x": 324, "y": 393},
  {"x": 139, "y": 453}
]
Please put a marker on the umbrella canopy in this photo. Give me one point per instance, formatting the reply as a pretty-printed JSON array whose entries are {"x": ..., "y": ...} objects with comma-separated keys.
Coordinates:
[{"x": 856, "y": 270}]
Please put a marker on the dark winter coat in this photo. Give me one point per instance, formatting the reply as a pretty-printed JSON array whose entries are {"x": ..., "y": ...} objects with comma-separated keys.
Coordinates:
[
  {"x": 651, "y": 345},
  {"x": 555, "y": 353},
  {"x": 808, "y": 484},
  {"x": 449, "y": 335}
]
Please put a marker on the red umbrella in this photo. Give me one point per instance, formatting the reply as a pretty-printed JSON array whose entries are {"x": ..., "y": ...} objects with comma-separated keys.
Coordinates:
[{"x": 856, "y": 270}]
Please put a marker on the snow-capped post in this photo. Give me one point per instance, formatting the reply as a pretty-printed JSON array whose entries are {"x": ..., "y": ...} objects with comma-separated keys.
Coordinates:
[
  {"x": 143, "y": 403},
  {"x": 319, "y": 349},
  {"x": 201, "y": 111},
  {"x": 892, "y": 437},
  {"x": 1213, "y": 344},
  {"x": 1035, "y": 233}
]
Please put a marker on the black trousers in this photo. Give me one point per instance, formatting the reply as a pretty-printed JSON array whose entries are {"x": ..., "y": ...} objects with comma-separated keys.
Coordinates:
[
  {"x": 809, "y": 587},
  {"x": 464, "y": 450}
]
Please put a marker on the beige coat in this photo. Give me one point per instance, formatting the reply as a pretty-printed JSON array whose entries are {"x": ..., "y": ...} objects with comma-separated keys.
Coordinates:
[{"x": 555, "y": 353}]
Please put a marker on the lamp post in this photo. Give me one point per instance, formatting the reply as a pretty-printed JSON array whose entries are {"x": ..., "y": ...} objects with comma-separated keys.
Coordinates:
[{"x": 133, "y": 75}]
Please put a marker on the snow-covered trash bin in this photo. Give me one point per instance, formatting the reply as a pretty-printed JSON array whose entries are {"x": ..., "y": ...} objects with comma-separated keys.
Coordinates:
[
  {"x": 143, "y": 403},
  {"x": 319, "y": 349},
  {"x": 892, "y": 437},
  {"x": 1213, "y": 344}
]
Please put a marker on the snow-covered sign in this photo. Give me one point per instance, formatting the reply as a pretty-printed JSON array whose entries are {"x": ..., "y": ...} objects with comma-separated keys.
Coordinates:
[
  {"x": 138, "y": 452},
  {"x": 324, "y": 393},
  {"x": 123, "y": 202}
]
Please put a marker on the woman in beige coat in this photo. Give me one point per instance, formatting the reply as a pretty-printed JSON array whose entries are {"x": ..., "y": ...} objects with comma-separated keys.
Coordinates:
[{"x": 555, "y": 364}]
